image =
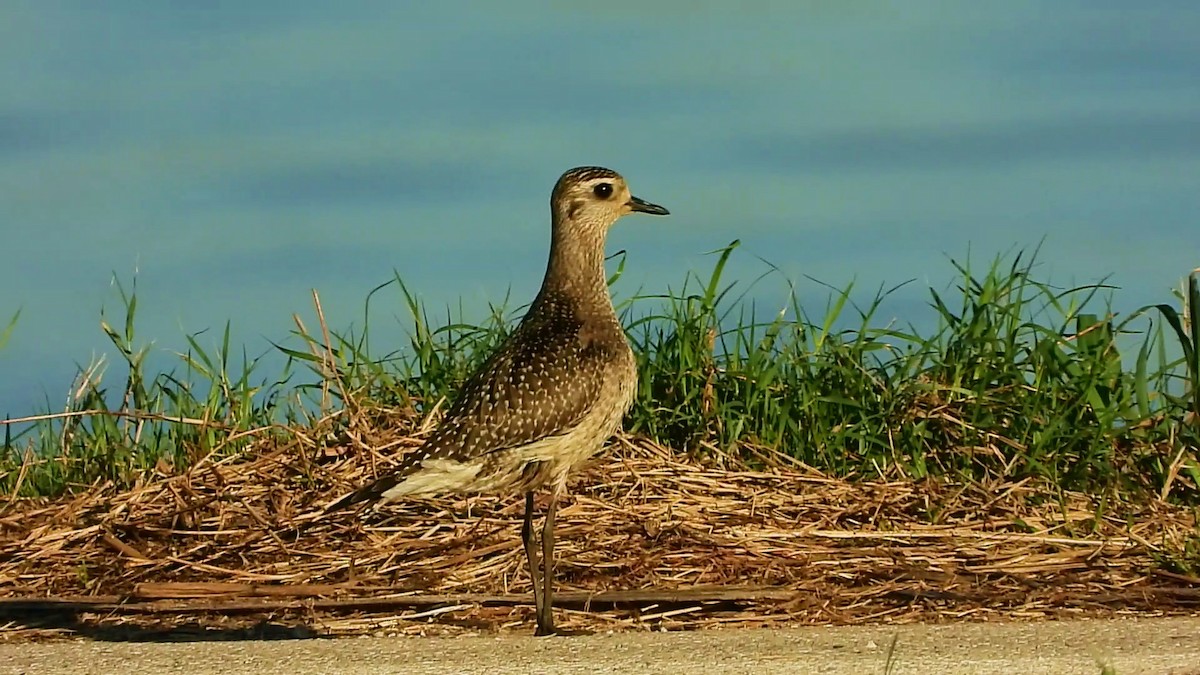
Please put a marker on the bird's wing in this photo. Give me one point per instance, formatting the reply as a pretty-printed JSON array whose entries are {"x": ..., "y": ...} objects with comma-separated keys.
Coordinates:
[
  {"x": 537, "y": 385},
  {"x": 527, "y": 393}
]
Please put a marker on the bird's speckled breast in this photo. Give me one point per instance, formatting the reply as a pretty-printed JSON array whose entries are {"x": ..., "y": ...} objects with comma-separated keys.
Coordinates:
[{"x": 576, "y": 447}]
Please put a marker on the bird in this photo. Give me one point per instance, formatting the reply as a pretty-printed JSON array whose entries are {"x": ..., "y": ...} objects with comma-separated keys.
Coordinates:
[{"x": 550, "y": 396}]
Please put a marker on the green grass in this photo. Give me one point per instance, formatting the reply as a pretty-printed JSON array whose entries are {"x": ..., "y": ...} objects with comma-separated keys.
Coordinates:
[{"x": 1018, "y": 379}]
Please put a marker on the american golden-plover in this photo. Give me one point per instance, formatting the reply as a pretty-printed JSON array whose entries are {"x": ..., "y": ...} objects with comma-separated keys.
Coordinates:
[{"x": 552, "y": 394}]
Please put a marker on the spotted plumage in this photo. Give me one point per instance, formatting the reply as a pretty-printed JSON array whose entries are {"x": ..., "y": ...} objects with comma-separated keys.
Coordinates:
[
  {"x": 503, "y": 431},
  {"x": 551, "y": 395}
]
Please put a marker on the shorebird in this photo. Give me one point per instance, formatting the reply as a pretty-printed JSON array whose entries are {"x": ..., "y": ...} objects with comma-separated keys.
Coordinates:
[{"x": 552, "y": 393}]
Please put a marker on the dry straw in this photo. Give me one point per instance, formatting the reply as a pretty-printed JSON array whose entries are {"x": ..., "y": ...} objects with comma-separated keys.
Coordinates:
[{"x": 647, "y": 539}]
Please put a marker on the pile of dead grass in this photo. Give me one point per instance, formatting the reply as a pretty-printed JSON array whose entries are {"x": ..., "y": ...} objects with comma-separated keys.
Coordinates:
[{"x": 645, "y": 538}]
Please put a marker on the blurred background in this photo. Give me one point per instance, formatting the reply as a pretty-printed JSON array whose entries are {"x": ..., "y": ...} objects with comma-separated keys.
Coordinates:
[{"x": 233, "y": 156}]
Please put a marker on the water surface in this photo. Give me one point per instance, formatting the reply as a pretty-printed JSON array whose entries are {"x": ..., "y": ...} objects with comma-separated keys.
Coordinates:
[{"x": 233, "y": 156}]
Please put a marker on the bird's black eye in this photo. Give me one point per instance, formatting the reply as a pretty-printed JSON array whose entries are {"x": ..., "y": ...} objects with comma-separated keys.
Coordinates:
[{"x": 603, "y": 190}]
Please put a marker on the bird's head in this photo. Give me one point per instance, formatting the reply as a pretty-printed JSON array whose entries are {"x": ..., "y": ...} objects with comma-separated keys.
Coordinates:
[{"x": 595, "y": 197}]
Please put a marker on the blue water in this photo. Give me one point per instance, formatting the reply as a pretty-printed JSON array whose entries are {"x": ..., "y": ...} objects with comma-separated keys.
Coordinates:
[{"x": 233, "y": 156}]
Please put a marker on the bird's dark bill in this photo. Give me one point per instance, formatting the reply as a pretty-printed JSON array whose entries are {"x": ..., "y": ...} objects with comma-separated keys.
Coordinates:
[{"x": 643, "y": 206}]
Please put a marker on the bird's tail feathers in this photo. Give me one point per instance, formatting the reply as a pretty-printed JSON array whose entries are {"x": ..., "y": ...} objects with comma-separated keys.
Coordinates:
[{"x": 372, "y": 492}]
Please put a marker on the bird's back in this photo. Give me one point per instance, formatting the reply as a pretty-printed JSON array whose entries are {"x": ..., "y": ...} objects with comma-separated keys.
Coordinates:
[{"x": 546, "y": 400}]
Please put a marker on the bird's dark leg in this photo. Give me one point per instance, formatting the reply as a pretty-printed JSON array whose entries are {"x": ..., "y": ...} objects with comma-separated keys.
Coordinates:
[
  {"x": 531, "y": 554},
  {"x": 545, "y": 616}
]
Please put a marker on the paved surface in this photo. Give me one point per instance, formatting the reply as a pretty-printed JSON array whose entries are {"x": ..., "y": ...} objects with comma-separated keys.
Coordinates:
[{"x": 1128, "y": 646}]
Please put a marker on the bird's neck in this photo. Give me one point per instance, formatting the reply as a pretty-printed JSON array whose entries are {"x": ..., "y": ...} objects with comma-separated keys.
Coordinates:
[{"x": 576, "y": 270}]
